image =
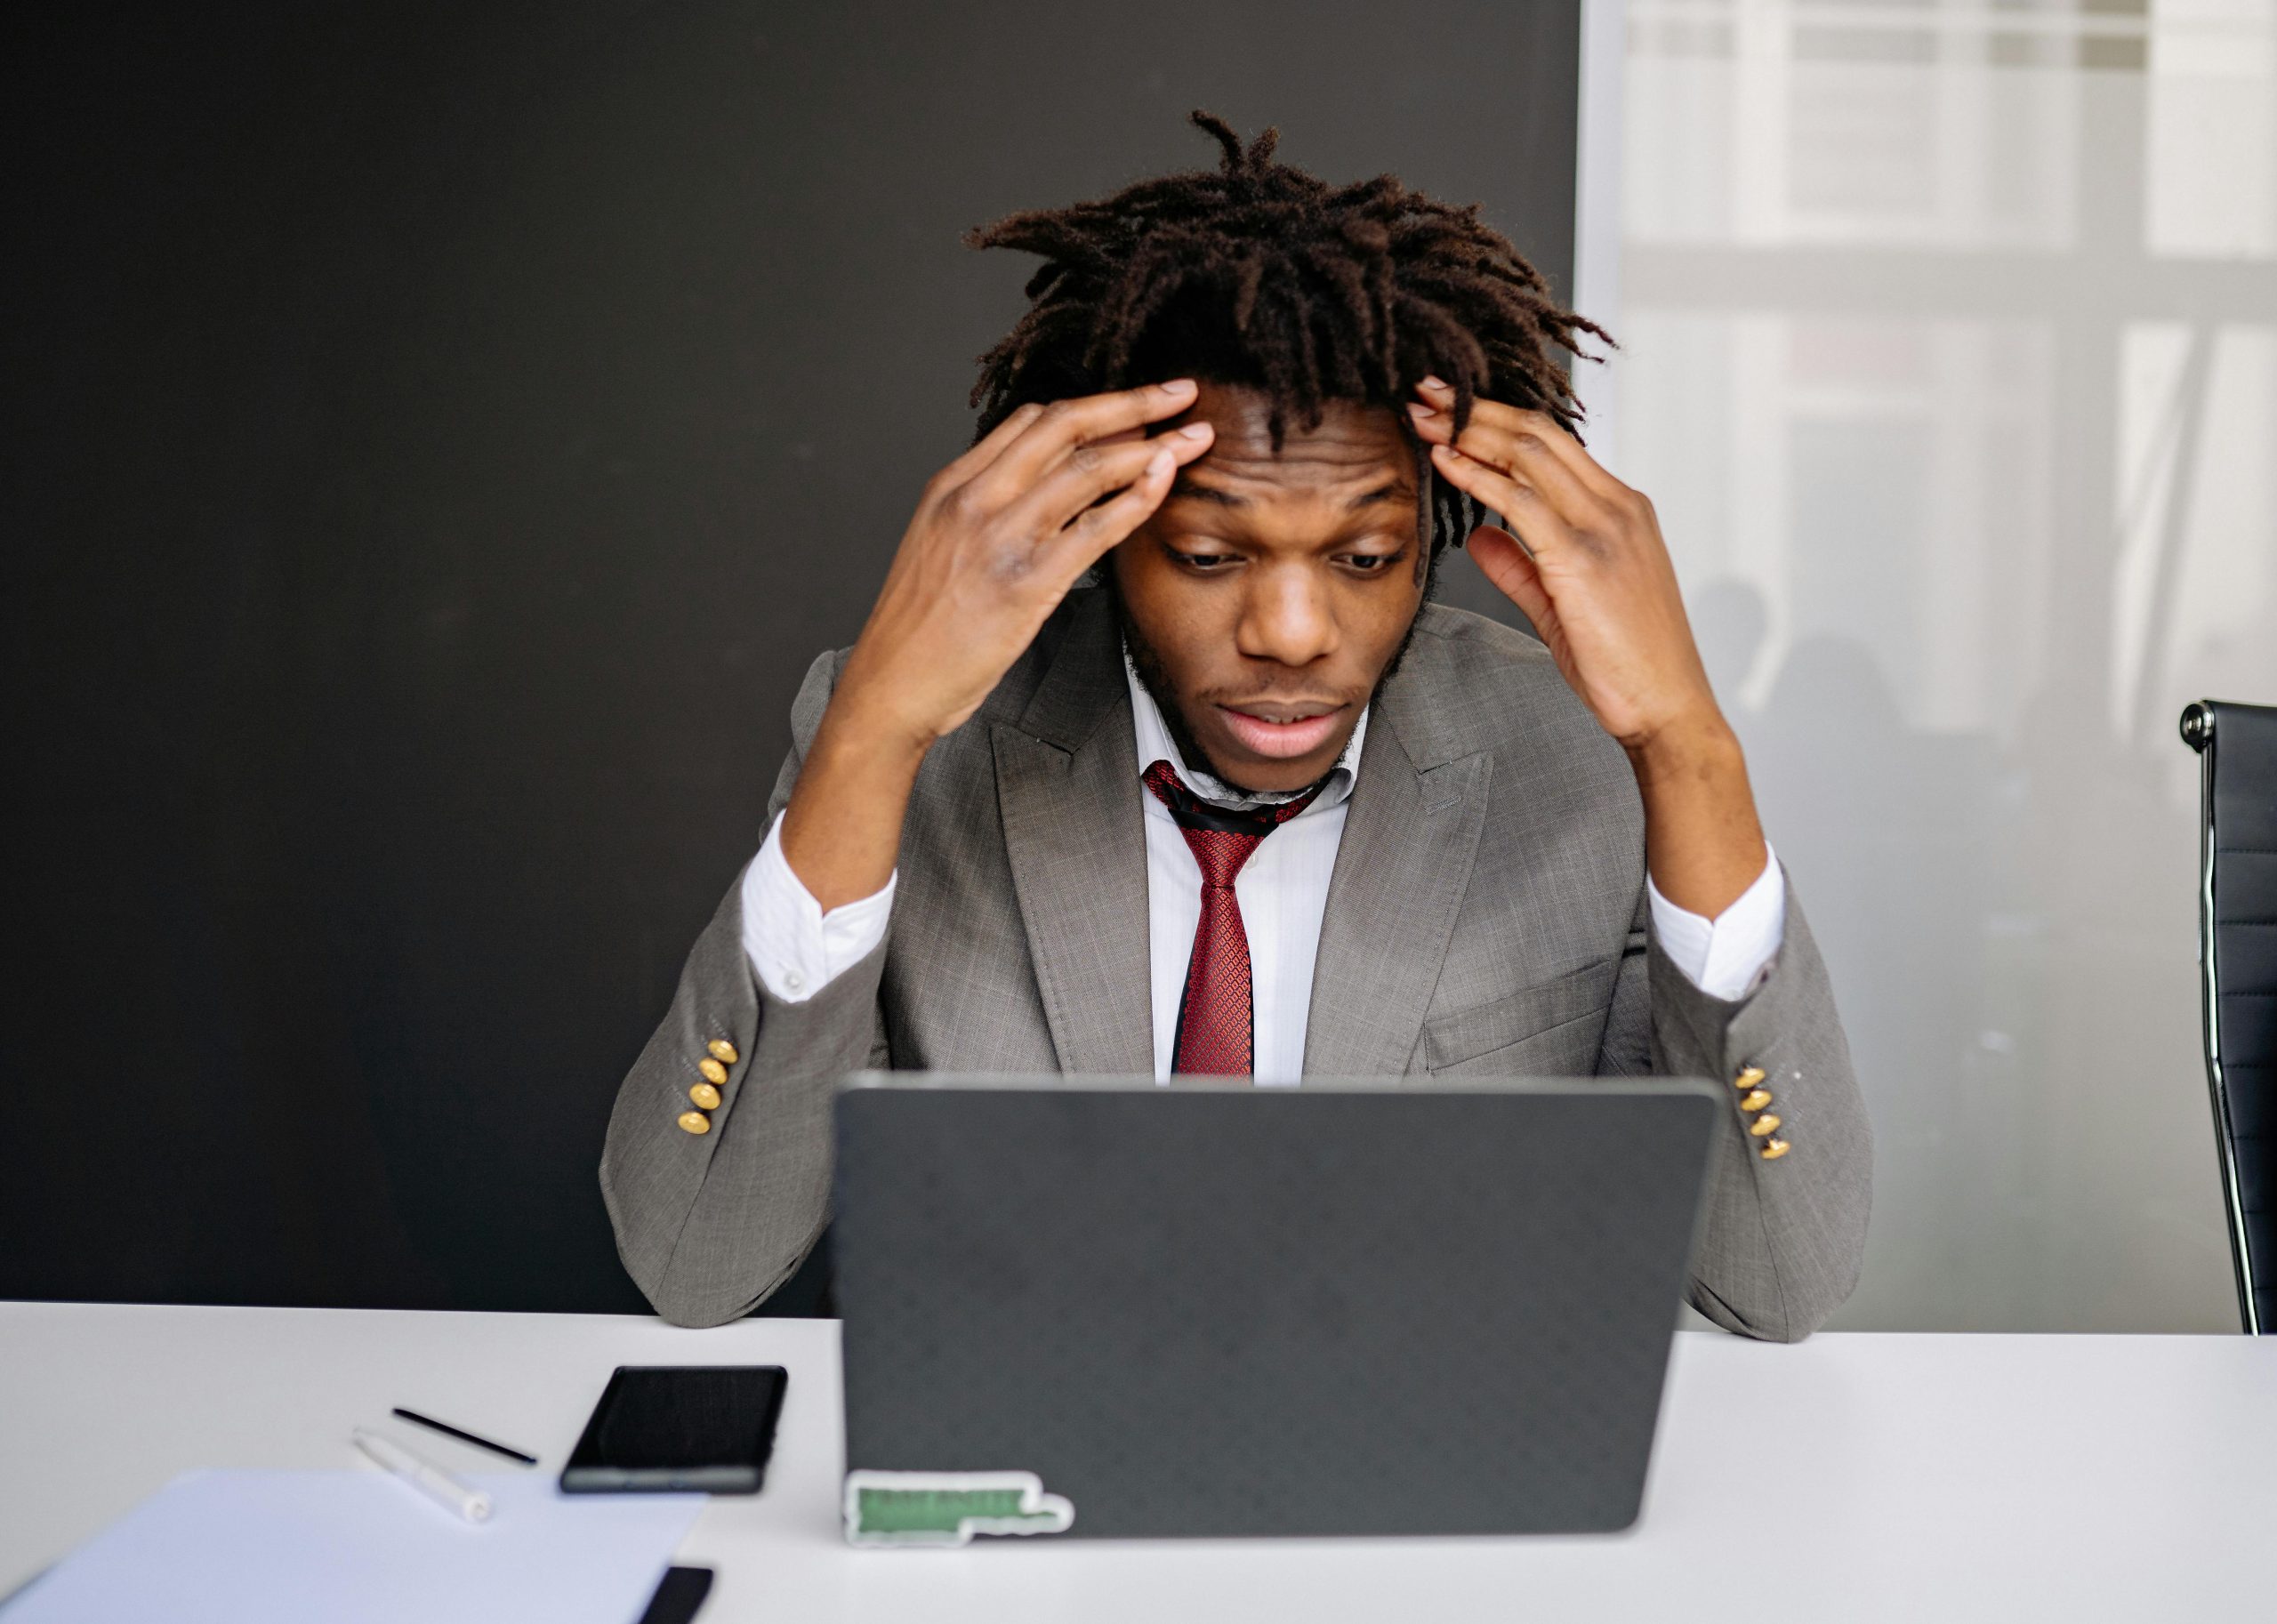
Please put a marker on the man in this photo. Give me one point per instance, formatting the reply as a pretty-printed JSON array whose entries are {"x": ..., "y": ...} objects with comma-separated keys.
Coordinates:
[{"x": 1250, "y": 803}]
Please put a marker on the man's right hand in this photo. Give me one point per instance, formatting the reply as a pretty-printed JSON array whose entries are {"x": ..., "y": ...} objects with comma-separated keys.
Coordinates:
[{"x": 999, "y": 537}]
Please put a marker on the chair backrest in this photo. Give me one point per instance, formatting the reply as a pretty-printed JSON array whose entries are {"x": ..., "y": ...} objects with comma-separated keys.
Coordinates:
[{"x": 2237, "y": 956}]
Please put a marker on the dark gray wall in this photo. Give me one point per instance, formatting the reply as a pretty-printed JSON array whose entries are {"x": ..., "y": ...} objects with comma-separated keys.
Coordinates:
[{"x": 438, "y": 441}]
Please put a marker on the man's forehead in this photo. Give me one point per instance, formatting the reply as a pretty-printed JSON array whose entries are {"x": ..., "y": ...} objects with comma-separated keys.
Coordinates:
[{"x": 1354, "y": 456}]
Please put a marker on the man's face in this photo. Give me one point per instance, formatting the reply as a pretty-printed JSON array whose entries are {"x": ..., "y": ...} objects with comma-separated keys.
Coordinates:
[{"x": 1265, "y": 596}]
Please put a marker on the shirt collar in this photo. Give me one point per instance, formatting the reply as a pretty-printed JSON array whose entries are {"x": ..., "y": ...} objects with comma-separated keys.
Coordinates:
[{"x": 1154, "y": 745}]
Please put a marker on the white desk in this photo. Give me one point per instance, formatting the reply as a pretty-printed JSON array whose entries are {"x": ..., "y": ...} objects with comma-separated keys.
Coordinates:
[{"x": 1853, "y": 1477}]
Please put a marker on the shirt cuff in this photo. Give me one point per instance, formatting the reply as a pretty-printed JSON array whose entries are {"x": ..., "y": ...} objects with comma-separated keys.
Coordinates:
[
  {"x": 796, "y": 949},
  {"x": 1723, "y": 957}
]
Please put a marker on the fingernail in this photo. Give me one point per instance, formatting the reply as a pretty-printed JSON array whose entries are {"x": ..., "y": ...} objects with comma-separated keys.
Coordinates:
[
  {"x": 1159, "y": 464},
  {"x": 1433, "y": 382},
  {"x": 1196, "y": 432},
  {"x": 1420, "y": 410},
  {"x": 1178, "y": 386}
]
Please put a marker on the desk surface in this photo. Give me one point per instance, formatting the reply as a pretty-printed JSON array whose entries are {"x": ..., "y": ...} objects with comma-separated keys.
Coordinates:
[{"x": 1852, "y": 1477}]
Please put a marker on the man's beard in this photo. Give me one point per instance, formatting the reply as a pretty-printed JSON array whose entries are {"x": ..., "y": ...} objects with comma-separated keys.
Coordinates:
[{"x": 1156, "y": 681}]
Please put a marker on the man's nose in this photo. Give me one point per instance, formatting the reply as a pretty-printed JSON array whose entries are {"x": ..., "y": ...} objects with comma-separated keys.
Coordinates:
[{"x": 1286, "y": 617}]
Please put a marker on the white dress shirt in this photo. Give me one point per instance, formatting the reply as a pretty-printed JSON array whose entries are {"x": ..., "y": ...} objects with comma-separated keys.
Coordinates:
[
  {"x": 795, "y": 948},
  {"x": 1282, "y": 890}
]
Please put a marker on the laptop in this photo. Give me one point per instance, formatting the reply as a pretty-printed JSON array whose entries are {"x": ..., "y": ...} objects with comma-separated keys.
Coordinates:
[{"x": 1106, "y": 1308}]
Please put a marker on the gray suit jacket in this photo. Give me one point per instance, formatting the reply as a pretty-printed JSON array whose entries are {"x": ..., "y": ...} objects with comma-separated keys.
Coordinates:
[{"x": 1486, "y": 917}]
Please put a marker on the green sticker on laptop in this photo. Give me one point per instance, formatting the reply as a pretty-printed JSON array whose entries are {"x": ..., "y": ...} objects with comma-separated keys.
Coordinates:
[{"x": 949, "y": 1508}]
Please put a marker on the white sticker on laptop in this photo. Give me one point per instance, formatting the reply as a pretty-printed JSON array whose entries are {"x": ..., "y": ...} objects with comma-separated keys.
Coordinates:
[{"x": 949, "y": 1508}]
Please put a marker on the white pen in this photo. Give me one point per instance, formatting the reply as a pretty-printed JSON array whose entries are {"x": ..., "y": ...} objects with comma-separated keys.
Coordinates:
[{"x": 427, "y": 1478}]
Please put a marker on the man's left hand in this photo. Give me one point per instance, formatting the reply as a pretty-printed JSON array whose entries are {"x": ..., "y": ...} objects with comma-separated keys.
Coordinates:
[{"x": 1586, "y": 566}]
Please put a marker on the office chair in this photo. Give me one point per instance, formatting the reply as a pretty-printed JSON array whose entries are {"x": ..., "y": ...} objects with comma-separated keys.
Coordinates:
[{"x": 2237, "y": 958}]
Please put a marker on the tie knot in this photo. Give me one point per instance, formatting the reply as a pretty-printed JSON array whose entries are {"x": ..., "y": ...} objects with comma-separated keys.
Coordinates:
[{"x": 1222, "y": 838}]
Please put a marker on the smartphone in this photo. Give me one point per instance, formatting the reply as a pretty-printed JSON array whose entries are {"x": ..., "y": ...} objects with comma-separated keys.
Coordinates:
[{"x": 707, "y": 1428}]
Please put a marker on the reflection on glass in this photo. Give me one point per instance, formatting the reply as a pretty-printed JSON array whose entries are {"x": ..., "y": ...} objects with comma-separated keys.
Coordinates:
[{"x": 1950, "y": 359}]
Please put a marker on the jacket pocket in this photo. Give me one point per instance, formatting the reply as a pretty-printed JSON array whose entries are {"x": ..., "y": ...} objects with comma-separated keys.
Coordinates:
[{"x": 1552, "y": 1029}]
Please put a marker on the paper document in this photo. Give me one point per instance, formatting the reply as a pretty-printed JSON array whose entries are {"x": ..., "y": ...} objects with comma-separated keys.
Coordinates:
[{"x": 359, "y": 1548}]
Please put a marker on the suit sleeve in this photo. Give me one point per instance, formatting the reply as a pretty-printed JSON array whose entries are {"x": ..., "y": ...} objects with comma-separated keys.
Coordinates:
[
  {"x": 710, "y": 1224},
  {"x": 1782, "y": 1239}
]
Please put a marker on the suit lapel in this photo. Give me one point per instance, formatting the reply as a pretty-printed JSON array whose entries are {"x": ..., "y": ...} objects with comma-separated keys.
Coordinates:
[
  {"x": 1401, "y": 871},
  {"x": 1068, "y": 792}
]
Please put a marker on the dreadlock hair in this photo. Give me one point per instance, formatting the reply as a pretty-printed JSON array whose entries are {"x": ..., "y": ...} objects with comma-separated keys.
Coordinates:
[{"x": 1261, "y": 274}]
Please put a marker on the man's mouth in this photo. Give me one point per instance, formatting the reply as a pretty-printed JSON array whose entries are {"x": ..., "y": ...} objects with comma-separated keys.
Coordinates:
[{"x": 1282, "y": 730}]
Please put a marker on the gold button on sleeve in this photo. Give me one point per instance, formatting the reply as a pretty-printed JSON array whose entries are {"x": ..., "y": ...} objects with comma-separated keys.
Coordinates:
[
  {"x": 705, "y": 1096},
  {"x": 695, "y": 1121},
  {"x": 1755, "y": 1099},
  {"x": 1747, "y": 1079},
  {"x": 1768, "y": 1122},
  {"x": 723, "y": 1051},
  {"x": 713, "y": 1071},
  {"x": 1773, "y": 1149}
]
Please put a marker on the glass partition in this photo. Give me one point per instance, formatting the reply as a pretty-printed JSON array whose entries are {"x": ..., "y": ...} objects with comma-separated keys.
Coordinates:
[{"x": 1950, "y": 359}]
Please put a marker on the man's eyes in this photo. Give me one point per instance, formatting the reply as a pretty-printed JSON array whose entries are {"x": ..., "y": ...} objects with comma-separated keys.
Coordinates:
[{"x": 1364, "y": 563}]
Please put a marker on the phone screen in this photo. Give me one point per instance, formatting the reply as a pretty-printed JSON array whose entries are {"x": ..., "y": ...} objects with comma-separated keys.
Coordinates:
[{"x": 703, "y": 1427}]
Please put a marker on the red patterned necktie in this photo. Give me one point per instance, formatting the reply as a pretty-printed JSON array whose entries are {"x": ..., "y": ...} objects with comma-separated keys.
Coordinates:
[{"x": 1216, "y": 1017}]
